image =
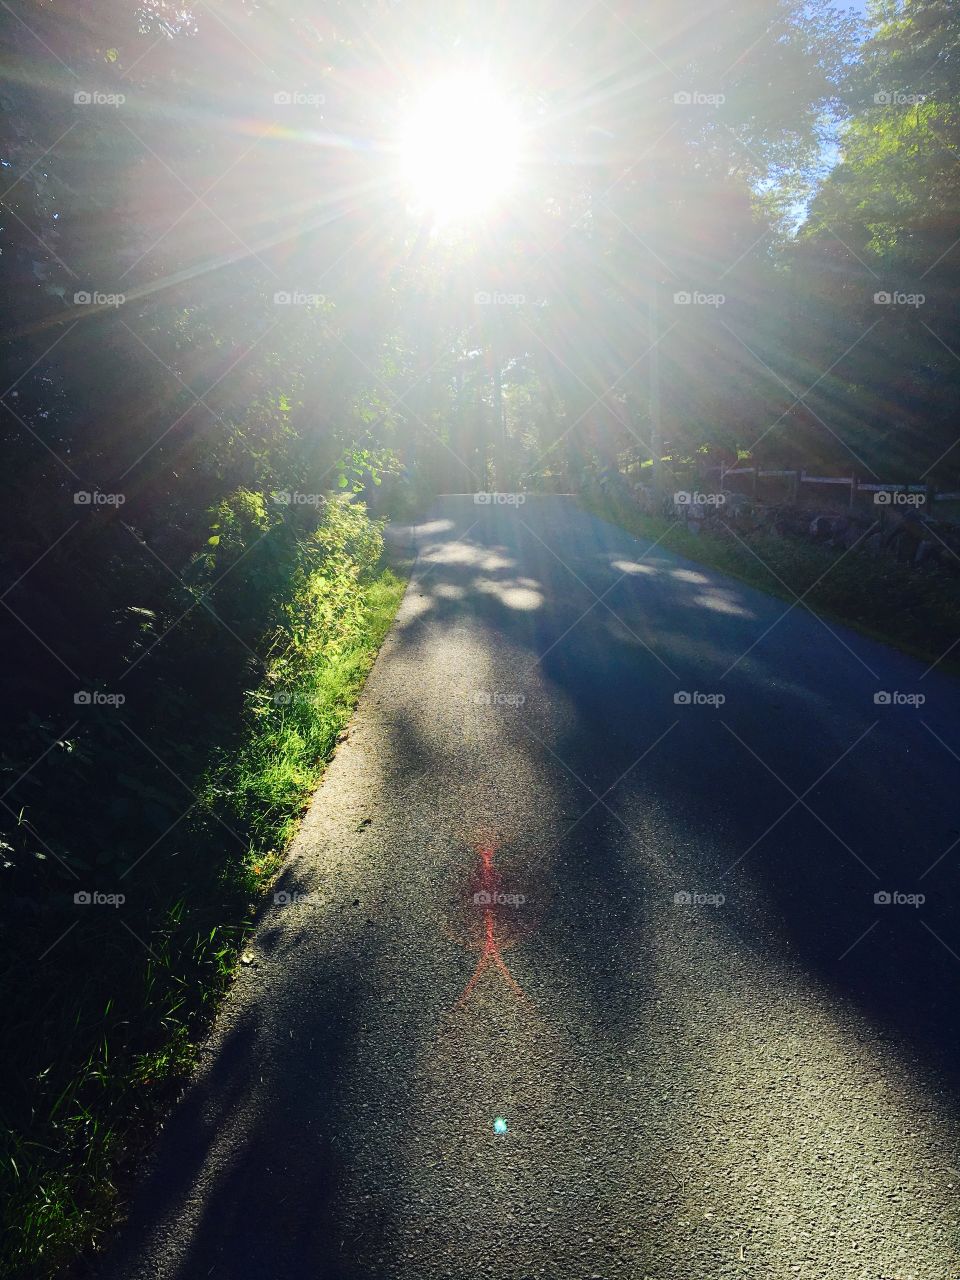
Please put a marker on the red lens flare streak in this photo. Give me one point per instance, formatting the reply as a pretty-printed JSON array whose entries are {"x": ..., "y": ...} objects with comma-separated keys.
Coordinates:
[{"x": 498, "y": 918}]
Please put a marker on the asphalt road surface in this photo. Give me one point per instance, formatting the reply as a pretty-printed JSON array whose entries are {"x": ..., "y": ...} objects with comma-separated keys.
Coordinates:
[{"x": 483, "y": 1036}]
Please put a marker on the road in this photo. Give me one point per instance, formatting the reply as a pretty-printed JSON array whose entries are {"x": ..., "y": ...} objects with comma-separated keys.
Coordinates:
[{"x": 758, "y": 1078}]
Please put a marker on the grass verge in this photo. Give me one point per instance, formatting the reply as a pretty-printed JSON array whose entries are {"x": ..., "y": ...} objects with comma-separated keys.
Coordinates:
[
  {"x": 918, "y": 611},
  {"x": 102, "y": 1026},
  {"x": 312, "y": 686}
]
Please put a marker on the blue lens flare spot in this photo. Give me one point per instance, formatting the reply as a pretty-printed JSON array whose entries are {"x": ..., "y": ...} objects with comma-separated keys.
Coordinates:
[{"x": 499, "y": 1125}]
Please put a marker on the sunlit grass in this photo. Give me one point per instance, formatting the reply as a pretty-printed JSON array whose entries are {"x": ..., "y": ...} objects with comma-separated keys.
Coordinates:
[
  {"x": 299, "y": 718},
  {"x": 60, "y": 1187}
]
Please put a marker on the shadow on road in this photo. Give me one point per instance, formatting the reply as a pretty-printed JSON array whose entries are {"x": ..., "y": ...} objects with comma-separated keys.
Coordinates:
[
  {"x": 729, "y": 783},
  {"x": 539, "y": 654}
]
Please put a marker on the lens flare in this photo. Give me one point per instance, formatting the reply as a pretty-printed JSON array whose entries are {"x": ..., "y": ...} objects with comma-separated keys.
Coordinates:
[{"x": 496, "y": 911}]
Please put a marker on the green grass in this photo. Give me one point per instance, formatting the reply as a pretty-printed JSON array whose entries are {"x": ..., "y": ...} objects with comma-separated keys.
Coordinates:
[
  {"x": 917, "y": 610},
  {"x": 103, "y": 1030},
  {"x": 298, "y": 715}
]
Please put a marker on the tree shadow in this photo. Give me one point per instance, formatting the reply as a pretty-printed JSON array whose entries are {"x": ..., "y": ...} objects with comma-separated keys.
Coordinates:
[
  {"x": 512, "y": 708},
  {"x": 729, "y": 781}
]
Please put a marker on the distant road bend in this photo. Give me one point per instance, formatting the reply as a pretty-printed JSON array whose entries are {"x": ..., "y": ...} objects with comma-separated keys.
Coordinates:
[{"x": 583, "y": 972}]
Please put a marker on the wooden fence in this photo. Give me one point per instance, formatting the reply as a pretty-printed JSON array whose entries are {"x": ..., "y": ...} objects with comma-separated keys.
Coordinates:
[{"x": 800, "y": 477}]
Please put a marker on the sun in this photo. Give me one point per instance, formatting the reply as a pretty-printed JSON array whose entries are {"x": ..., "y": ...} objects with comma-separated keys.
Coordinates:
[{"x": 460, "y": 148}]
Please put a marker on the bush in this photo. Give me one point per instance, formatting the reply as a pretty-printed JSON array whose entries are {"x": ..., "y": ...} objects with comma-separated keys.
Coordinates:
[{"x": 100, "y": 1026}]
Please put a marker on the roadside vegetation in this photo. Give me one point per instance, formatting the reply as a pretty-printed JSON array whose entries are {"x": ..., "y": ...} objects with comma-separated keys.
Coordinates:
[
  {"x": 220, "y": 308},
  {"x": 918, "y": 610},
  {"x": 180, "y": 842}
]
